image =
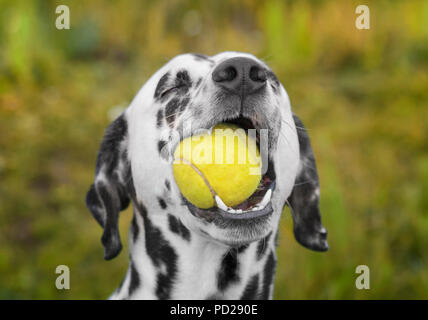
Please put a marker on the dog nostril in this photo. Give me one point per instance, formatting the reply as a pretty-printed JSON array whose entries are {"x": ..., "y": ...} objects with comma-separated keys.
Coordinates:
[
  {"x": 240, "y": 76},
  {"x": 257, "y": 74},
  {"x": 227, "y": 74}
]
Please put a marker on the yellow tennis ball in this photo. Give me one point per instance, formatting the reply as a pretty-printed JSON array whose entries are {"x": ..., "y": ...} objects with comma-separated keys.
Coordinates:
[{"x": 224, "y": 162}]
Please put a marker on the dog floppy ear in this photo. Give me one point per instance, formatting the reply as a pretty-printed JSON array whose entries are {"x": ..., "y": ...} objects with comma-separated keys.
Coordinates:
[
  {"x": 304, "y": 199},
  {"x": 108, "y": 195}
]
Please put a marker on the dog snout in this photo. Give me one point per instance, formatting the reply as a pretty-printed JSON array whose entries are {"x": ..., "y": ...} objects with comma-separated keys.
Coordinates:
[{"x": 241, "y": 76}]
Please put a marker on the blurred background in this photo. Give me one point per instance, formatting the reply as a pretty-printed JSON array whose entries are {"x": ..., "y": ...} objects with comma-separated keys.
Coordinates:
[{"x": 362, "y": 94}]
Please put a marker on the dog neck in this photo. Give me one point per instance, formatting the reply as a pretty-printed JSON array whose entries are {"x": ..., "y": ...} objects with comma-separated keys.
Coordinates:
[{"x": 169, "y": 261}]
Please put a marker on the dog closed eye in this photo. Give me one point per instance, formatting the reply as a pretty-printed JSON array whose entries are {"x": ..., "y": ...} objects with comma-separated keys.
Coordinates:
[{"x": 170, "y": 90}]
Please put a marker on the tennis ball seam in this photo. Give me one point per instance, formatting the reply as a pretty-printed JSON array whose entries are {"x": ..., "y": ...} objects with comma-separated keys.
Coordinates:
[{"x": 198, "y": 171}]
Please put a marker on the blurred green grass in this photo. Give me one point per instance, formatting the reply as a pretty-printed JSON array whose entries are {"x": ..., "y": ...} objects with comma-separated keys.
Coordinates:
[{"x": 362, "y": 94}]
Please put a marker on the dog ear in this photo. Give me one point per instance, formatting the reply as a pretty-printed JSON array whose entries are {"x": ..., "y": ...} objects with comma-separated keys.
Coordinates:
[
  {"x": 108, "y": 195},
  {"x": 304, "y": 199}
]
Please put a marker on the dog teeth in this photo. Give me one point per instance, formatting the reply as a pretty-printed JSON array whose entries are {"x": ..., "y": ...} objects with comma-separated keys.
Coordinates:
[
  {"x": 266, "y": 199},
  {"x": 224, "y": 207},
  {"x": 220, "y": 203}
]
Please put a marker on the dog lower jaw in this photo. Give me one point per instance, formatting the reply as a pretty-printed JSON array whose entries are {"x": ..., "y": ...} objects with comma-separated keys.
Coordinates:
[
  {"x": 238, "y": 237},
  {"x": 233, "y": 230},
  {"x": 217, "y": 213},
  {"x": 237, "y": 244}
]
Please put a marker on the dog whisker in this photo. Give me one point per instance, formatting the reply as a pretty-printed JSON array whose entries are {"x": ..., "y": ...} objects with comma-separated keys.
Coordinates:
[
  {"x": 297, "y": 127},
  {"x": 289, "y": 205},
  {"x": 303, "y": 183},
  {"x": 285, "y": 137}
]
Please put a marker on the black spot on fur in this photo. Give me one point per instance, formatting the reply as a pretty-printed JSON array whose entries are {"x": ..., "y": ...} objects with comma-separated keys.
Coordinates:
[
  {"x": 134, "y": 228},
  {"x": 178, "y": 227},
  {"x": 175, "y": 107},
  {"x": 268, "y": 274},
  {"x": 162, "y": 255},
  {"x": 109, "y": 152},
  {"x": 228, "y": 272},
  {"x": 168, "y": 185},
  {"x": 184, "y": 102},
  {"x": 163, "y": 290},
  {"x": 241, "y": 249},
  {"x": 182, "y": 79},
  {"x": 162, "y": 203},
  {"x": 159, "y": 118},
  {"x": 262, "y": 246},
  {"x": 161, "y": 145},
  {"x": 134, "y": 282},
  {"x": 161, "y": 86},
  {"x": 171, "y": 110},
  {"x": 251, "y": 290}
]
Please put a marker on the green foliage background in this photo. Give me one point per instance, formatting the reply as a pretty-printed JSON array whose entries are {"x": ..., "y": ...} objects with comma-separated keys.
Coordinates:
[{"x": 362, "y": 94}]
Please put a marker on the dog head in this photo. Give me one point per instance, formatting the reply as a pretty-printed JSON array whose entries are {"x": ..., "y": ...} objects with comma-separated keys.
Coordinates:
[{"x": 189, "y": 94}]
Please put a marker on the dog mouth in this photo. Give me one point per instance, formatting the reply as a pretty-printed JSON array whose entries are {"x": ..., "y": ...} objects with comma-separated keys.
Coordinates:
[{"x": 258, "y": 204}]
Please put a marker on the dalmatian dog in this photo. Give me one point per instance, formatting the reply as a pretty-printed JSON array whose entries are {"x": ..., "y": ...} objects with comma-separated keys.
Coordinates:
[{"x": 179, "y": 251}]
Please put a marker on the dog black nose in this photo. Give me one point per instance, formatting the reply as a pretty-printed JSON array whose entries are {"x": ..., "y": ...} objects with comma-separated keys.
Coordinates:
[{"x": 240, "y": 75}]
